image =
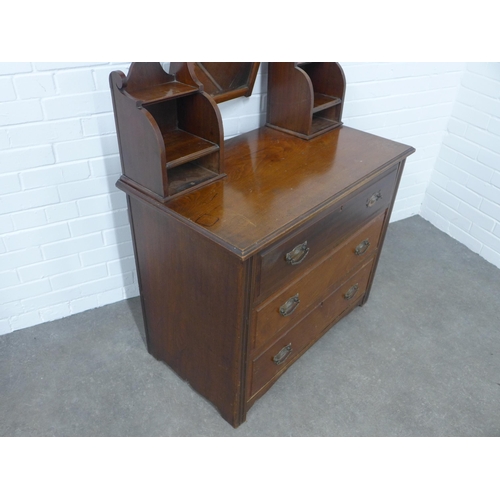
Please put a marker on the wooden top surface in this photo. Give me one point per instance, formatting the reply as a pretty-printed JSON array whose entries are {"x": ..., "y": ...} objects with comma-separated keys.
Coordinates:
[{"x": 275, "y": 181}]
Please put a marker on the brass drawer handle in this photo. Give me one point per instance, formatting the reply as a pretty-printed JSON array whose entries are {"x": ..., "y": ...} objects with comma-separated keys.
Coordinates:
[
  {"x": 290, "y": 305},
  {"x": 351, "y": 292},
  {"x": 373, "y": 199},
  {"x": 362, "y": 247},
  {"x": 298, "y": 254},
  {"x": 283, "y": 354}
]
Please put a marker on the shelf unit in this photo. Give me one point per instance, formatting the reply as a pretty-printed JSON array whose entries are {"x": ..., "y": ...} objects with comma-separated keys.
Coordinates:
[
  {"x": 316, "y": 90},
  {"x": 170, "y": 131}
]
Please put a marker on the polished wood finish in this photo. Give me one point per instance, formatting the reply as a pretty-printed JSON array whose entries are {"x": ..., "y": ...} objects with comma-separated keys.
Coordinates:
[
  {"x": 311, "y": 284},
  {"x": 249, "y": 250},
  {"x": 276, "y": 182},
  {"x": 265, "y": 371}
]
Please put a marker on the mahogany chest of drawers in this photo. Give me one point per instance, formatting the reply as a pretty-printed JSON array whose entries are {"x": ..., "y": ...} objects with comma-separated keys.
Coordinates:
[{"x": 241, "y": 275}]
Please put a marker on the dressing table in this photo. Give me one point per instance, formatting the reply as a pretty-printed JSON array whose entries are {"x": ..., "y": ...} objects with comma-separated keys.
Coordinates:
[{"x": 248, "y": 250}]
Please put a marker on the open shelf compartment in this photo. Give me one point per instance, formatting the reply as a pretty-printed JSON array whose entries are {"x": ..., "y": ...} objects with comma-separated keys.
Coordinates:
[
  {"x": 188, "y": 176},
  {"x": 182, "y": 147}
]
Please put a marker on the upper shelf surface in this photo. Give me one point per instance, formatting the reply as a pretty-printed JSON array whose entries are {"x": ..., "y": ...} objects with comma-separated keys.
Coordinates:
[{"x": 163, "y": 92}]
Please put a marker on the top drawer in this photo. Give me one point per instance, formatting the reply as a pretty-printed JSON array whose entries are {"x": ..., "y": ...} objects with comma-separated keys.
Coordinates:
[{"x": 289, "y": 257}]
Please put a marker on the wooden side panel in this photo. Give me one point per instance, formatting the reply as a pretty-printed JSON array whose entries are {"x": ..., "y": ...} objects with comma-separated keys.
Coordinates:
[
  {"x": 194, "y": 300},
  {"x": 142, "y": 150},
  {"x": 287, "y": 85}
]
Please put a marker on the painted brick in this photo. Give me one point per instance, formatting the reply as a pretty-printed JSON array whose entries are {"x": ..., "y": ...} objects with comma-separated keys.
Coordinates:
[
  {"x": 494, "y": 126},
  {"x": 467, "y": 239},
  {"x": 7, "y": 92},
  {"x": 109, "y": 283},
  {"x": 15, "y": 160},
  {"x": 71, "y": 246},
  {"x": 4, "y": 139},
  {"x": 77, "y": 105},
  {"x": 483, "y": 138},
  {"x": 490, "y": 255},
  {"x": 471, "y": 116},
  {"x": 466, "y": 147},
  {"x": 39, "y": 236},
  {"x": 35, "y": 303},
  {"x": 72, "y": 278},
  {"x": 28, "y": 199},
  {"x": 491, "y": 209},
  {"x": 105, "y": 254},
  {"x": 109, "y": 165},
  {"x": 6, "y": 224},
  {"x": 472, "y": 167},
  {"x": 9, "y": 183},
  {"x": 463, "y": 193},
  {"x": 9, "y": 309},
  {"x": 444, "y": 196},
  {"x": 117, "y": 235},
  {"x": 86, "y": 225},
  {"x": 55, "y": 312},
  {"x": 122, "y": 265},
  {"x": 45, "y": 132},
  {"x": 24, "y": 291},
  {"x": 476, "y": 216},
  {"x": 99, "y": 124},
  {"x": 29, "y": 219},
  {"x": 83, "y": 304},
  {"x": 101, "y": 75},
  {"x": 86, "y": 148},
  {"x": 8, "y": 279},
  {"x": 35, "y": 85},
  {"x": 94, "y": 205},
  {"x": 47, "y": 66},
  {"x": 495, "y": 180},
  {"x": 484, "y": 85},
  {"x": 61, "y": 211},
  {"x": 76, "y": 171},
  {"x": 110, "y": 297},
  {"x": 25, "y": 320},
  {"x": 14, "y": 68},
  {"x": 433, "y": 217},
  {"x": 75, "y": 82},
  {"x": 42, "y": 177},
  {"x": 131, "y": 291},
  {"x": 5, "y": 327},
  {"x": 20, "y": 112},
  {"x": 85, "y": 188},
  {"x": 16, "y": 260},
  {"x": 486, "y": 237},
  {"x": 488, "y": 105},
  {"x": 484, "y": 189},
  {"x": 49, "y": 268}
]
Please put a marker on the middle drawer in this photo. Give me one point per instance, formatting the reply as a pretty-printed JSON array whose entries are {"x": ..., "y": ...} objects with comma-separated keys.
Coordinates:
[{"x": 291, "y": 303}]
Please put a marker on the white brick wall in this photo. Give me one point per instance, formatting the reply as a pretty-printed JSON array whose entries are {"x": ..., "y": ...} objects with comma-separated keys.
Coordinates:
[
  {"x": 409, "y": 103},
  {"x": 63, "y": 223},
  {"x": 463, "y": 196},
  {"x": 66, "y": 243}
]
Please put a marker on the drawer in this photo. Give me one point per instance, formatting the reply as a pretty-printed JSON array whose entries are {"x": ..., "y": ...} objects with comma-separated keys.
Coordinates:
[
  {"x": 282, "y": 353},
  {"x": 289, "y": 257},
  {"x": 292, "y": 302}
]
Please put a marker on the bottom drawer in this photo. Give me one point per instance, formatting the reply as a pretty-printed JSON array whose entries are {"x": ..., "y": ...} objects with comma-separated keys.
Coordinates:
[{"x": 271, "y": 363}]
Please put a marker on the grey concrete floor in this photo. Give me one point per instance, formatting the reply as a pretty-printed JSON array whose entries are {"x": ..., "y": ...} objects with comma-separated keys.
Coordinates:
[{"x": 421, "y": 358}]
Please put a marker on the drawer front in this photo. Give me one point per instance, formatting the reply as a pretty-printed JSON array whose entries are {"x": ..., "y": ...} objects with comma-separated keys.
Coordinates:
[
  {"x": 270, "y": 364},
  {"x": 287, "y": 259},
  {"x": 292, "y": 303}
]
